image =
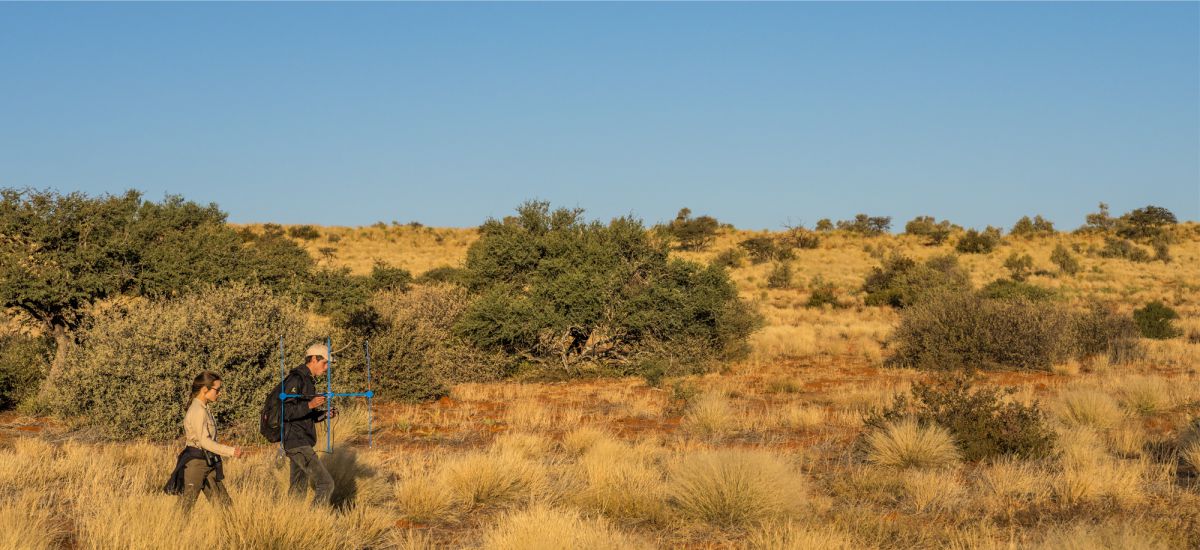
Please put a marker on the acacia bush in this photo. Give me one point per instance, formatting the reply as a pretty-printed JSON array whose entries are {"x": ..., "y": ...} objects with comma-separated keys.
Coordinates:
[
  {"x": 1101, "y": 330},
  {"x": 901, "y": 282},
  {"x": 1037, "y": 227},
  {"x": 780, "y": 276},
  {"x": 444, "y": 274},
  {"x": 415, "y": 354},
  {"x": 1124, "y": 249},
  {"x": 306, "y": 232},
  {"x": 863, "y": 224},
  {"x": 551, "y": 290},
  {"x": 1019, "y": 267},
  {"x": 131, "y": 372},
  {"x": 981, "y": 422}
]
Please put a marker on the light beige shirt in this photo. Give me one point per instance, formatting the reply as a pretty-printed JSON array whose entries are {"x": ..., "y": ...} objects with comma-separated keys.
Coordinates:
[{"x": 200, "y": 429}]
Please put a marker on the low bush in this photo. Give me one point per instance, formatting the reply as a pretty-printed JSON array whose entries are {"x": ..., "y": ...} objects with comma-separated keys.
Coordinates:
[
  {"x": 1066, "y": 262},
  {"x": 24, "y": 361},
  {"x": 305, "y": 232},
  {"x": 131, "y": 373},
  {"x": 1101, "y": 330},
  {"x": 1008, "y": 289},
  {"x": 444, "y": 274},
  {"x": 780, "y": 276},
  {"x": 766, "y": 249},
  {"x": 1019, "y": 267},
  {"x": 387, "y": 277},
  {"x": 1037, "y": 227},
  {"x": 822, "y": 293},
  {"x": 1154, "y": 320},
  {"x": 982, "y": 423},
  {"x": 415, "y": 353},
  {"x": 1123, "y": 249},
  {"x": 978, "y": 242},
  {"x": 901, "y": 282},
  {"x": 962, "y": 330},
  {"x": 934, "y": 232},
  {"x": 693, "y": 233},
  {"x": 863, "y": 224},
  {"x": 730, "y": 259}
]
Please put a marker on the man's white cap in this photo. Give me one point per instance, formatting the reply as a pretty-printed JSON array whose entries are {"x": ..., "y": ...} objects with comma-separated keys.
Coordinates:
[{"x": 318, "y": 350}]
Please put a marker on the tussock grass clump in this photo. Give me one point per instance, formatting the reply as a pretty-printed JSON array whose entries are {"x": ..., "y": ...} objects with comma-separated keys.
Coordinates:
[
  {"x": 931, "y": 490},
  {"x": 734, "y": 488},
  {"x": 1144, "y": 395},
  {"x": 554, "y": 529},
  {"x": 583, "y": 438},
  {"x": 1089, "y": 474},
  {"x": 710, "y": 415},
  {"x": 621, "y": 481},
  {"x": 1009, "y": 481},
  {"x": 422, "y": 500},
  {"x": 792, "y": 536},
  {"x": 1088, "y": 407},
  {"x": 907, "y": 444},
  {"x": 492, "y": 478}
]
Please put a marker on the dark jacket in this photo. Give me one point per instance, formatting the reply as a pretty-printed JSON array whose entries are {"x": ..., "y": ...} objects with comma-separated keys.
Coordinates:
[
  {"x": 299, "y": 421},
  {"x": 174, "y": 485}
]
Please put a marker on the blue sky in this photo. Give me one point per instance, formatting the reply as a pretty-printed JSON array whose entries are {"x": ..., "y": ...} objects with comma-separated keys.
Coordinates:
[{"x": 758, "y": 114}]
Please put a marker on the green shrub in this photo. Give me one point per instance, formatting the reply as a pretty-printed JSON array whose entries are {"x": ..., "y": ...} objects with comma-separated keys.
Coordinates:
[
  {"x": 1066, "y": 262},
  {"x": 1162, "y": 249},
  {"x": 1121, "y": 248},
  {"x": 387, "y": 277},
  {"x": 1103, "y": 331},
  {"x": 799, "y": 237},
  {"x": 1037, "y": 227},
  {"x": 982, "y": 423},
  {"x": 978, "y": 242},
  {"x": 560, "y": 293},
  {"x": 24, "y": 361},
  {"x": 962, "y": 330},
  {"x": 821, "y": 293},
  {"x": 1099, "y": 222},
  {"x": 1019, "y": 267},
  {"x": 334, "y": 291},
  {"x": 1154, "y": 320},
  {"x": 306, "y": 232},
  {"x": 415, "y": 354},
  {"x": 780, "y": 276},
  {"x": 693, "y": 233},
  {"x": 731, "y": 258},
  {"x": 863, "y": 224},
  {"x": 130, "y": 374},
  {"x": 1008, "y": 289},
  {"x": 824, "y": 224},
  {"x": 766, "y": 249},
  {"x": 444, "y": 274},
  {"x": 1145, "y": 223},
  {"x": 933, "y": 231},
  {"x": 901, "y": 282}
]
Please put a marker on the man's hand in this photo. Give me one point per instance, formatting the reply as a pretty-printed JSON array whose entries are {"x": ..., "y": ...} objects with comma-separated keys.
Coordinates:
[
  {"x": 331, "y": 413},
  {"x": 316, "y": 402}
]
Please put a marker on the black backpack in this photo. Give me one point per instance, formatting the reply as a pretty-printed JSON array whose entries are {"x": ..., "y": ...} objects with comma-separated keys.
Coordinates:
[{"x": 270, "y": 416}]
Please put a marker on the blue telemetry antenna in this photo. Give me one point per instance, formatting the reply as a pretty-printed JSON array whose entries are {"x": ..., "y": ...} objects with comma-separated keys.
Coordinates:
[{"x": 329, "y": 394}]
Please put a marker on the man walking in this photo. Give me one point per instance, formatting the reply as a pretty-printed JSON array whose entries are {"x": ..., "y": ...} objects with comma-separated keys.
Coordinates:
[{"x": 300, "y": 434}]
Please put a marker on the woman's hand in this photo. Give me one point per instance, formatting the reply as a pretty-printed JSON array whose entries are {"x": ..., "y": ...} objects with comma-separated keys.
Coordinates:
[{"x": 238, "y": 452}]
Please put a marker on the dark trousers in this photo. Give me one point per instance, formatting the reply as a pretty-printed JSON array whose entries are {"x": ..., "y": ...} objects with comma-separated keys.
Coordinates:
[
  {"x": 199, "y": 476},
  {"x": 307, "y": 469}
]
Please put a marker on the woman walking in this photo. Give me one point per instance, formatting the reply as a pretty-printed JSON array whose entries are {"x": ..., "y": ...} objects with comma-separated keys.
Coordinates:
[{"x": 199, "y": 465}]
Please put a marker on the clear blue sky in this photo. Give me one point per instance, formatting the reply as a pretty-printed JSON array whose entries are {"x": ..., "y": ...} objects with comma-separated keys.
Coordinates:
[{"x": 758, "y": 114}]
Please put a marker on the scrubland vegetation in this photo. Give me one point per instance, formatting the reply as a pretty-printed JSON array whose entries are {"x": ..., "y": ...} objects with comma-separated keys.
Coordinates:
[{"x": 554, "y": 382}]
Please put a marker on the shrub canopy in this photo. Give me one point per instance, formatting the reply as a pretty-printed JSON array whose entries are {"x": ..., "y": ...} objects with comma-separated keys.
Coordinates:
[
  {"x": 131, "y": 373},
  {"x": 553, "y": 289}
]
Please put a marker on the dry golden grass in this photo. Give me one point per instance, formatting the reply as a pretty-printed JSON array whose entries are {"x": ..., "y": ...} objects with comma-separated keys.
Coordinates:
[
  {"x": 733, "y": 487},
  {"x": 792, "y": 536},
  {"x": 1088, "y": 407},
  {"x": 906, "y": 444}
]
